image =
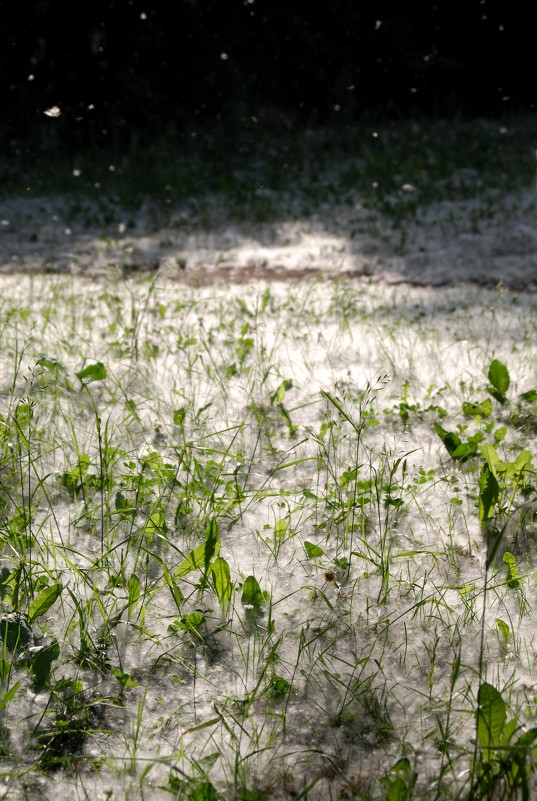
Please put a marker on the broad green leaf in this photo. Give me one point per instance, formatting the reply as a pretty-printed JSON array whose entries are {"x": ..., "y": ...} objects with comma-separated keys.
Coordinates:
[
  {"x": 500, "y": 434},
  {"x": 489, "y": 492},
  {"x": 194, "y": 619},
  {"x": 200, "y": 557},
  {"x": 513, "y": 580},
  {"x": 499, "y": 376},
  {"x": 23, "y": 414},
  {"x": 504, "y": 629},
  {"x": 449, "y": 438},
  {"x": 530, "y": 396},
  {"x": 92, "y": 372},
  {"x": 347, "y": 476},
  {"x": 124, "y": 506},
  {"x": 82, "y": 467},
  {"x": 253, "y": 795},
  {"x": 526, "y": 740},
  {"x": 402, "y": 766},
  {"x": 463, "y": 452},
  {"x": 190, "y": 623},
  {"x": 179, "y": 416},
  {"x": 483, "y": 409},
  {"x": 396, "y": 789},
  {"x": 44, "y": 601},
  {"x": 279, "y": 395},
  {"x": 212, "y": 542},
  {"x": 41, "y": 661},
  {"x": 400, "y": 781},
  {"x": 287, "y": 417},
  {"x": 506, "y": 470},
  {"x": 124, "y": 678},
  {"x": 326, "y": 426},
  {"x": 156, "y": 522},
  {"x": 280, "y": 687},
  {"x": 490, "y": 453},
  {"x": 490, "y": 716},
  {"x": 194, "y": 561},
  {"x": 222, "y": 582},
  {"x": 73, "y": 479},
  {"x": 134, "y": 588},
  {"x": 252, "y": 594},
  {"x": 204, "y": 792},
  {"x": 153, "y": 461},
  {"x": 486, "y": 407},
  {"x": 312, "y": 550},
  {"x": 457, "y": 449},
  {"x": 9, "y": 696},
  {"x": 50, "y": 363},
  {"x": 523, "y": 461},
  {"x": 280, "y": 528},
  {"x": 71, "y": 686}
]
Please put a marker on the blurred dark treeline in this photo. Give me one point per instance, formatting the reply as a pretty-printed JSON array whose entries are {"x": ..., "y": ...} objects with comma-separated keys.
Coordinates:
[{"x": 124, "y": 70}]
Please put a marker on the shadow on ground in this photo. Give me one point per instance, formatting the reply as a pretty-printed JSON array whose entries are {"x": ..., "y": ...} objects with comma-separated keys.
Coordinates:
[{"x": 485, "y": 241}]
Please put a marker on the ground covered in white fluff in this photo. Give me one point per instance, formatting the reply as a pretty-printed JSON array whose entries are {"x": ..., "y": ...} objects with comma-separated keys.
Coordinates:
[
  {"x": 267, "y": 576},
  {"x": 488, "y": 239}
]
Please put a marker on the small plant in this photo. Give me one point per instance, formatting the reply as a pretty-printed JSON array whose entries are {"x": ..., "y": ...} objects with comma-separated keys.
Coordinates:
[
  {"x": 498, "y": 375},
  {"x": 506, "y": 757},
  {"x": 461, "y": 450},
  {"x": 400, "y": 781},
  {"x": 500, "y": 484}
]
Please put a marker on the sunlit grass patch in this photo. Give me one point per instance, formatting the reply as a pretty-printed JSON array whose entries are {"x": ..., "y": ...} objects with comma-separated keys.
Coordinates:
[{"x": 266, "y": 542}]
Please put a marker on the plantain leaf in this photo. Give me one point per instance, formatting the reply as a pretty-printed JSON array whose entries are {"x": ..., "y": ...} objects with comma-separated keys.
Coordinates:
[
  {"x": 489, "y": 492},
  {"x": 498, "y": 376},
  {"x": 279, "y": 395},
  {"x": 222, "y": 582},
  {"x": 179, "y": 416},
  {"x": 312, "y": 550},
  {"x": 252, "y": 594},
  {"x": 490, "y": 716},
  {"x": 134, "y": 588},
  {"x": 212, "y": 543},
  {"x": 513, "y": 579},
  {"x": 44, "y": 601},
  {"x": 200, "y": 558},
  {"x": 449, "y": 438},
  {"x": 40, "y": 661},
  {"x": 9, "y": 696},
  {"x": 92, "y": 372},
  {"x": 483, "y": 409}
]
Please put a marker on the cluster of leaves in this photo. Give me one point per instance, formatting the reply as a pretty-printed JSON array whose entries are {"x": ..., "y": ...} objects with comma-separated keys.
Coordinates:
[
  {"x": 496, "y": 476},
  {"x": 507, "y": 753}
]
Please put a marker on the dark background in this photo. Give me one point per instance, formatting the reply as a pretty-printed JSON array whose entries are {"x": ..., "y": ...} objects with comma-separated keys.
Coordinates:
[{"x": 124, "y": 70}]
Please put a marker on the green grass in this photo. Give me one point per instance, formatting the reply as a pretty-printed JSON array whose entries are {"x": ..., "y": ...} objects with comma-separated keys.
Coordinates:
[
  {"x": 266, "y": 543},
  {"x": 255, "y": 169}
]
